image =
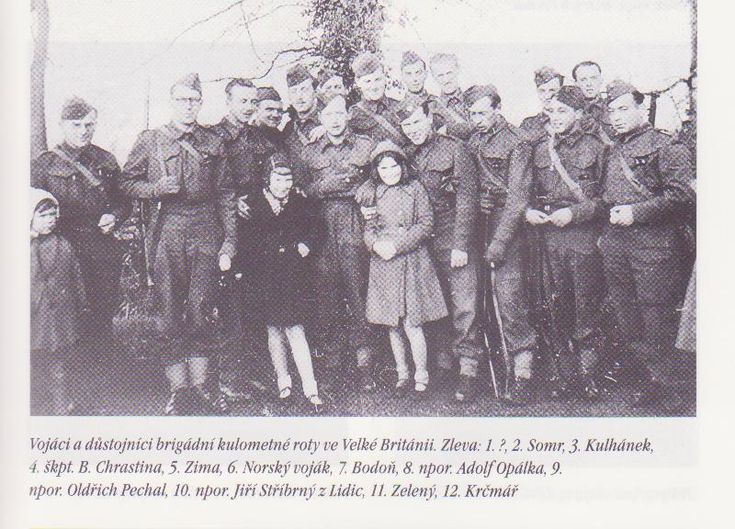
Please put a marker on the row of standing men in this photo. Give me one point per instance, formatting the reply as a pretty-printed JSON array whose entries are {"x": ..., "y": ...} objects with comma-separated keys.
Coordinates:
[{"x": 588, "y": 179}]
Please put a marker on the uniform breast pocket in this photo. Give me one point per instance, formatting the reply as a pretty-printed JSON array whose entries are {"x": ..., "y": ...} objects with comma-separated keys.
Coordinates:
[{"x": 583, "y": 166}]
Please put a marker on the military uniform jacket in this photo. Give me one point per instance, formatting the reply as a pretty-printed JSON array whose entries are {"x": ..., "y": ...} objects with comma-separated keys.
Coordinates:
[
  {"x": 451, "y": 112},
  {"x": 534, "y": 127},
  {"x": 449, "y": 174},
  {"x": 296, "y": 136},
  {"x": 81, "y": 204},
  {"x": 336, "y": 171},
  {"x": 363, "y": 120},
  {"x": 203, "y": 176},
  {"x": 582, "y": 154},
  {"x": 247, "y": 150},
  {"x": 663, "y": 169},
  {"x": 503, "y": 158}
]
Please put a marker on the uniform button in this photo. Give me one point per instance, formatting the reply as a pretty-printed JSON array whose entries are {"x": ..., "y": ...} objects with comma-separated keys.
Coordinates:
[{"x": 281, "y": 249}]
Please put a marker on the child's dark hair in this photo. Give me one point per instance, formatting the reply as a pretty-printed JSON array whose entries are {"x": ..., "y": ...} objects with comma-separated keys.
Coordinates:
[
  {"x": 45, "y": 205},
  {"x": 406, "y": 172}
]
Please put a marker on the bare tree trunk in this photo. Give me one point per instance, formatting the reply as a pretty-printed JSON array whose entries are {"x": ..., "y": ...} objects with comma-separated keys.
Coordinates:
[{"x": 38, "y": 74}]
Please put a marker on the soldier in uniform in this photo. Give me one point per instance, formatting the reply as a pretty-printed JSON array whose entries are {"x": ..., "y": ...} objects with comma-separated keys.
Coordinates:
[
  {"x": 330, "y": 83},
  {"x": 303, "y": 126},
  {"x": 337, "y": 164},
  {"x": 548, "y": 82},
  {"x": 84, "y": 179},
  {"x": 503, "y": 158},
  {"x": 181, "y": 170},
  {"x": 374, "y": 115},
  {"x": 646, "y": 186},
  {"x": 413, "y": 76},
  {"x": 451, "y": 110},
  {"x": 247, "y": 152},
  {"x": 587, "y": 76},
  {"x": 565, "y": 204},
  {"x": 448, "y": 173}
]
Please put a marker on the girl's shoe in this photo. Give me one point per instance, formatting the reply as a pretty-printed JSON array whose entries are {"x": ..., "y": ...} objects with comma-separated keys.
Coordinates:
[
  {"x": 285, "y": 394},
  {"x": 420, "y": 389},
  {"x": 401, "y": 389},
  {"x": 317, "y": 403}
]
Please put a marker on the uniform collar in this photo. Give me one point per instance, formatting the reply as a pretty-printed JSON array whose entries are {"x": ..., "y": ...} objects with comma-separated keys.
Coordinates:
[
  {"x": 72, "y": 152},
  {"x": 381, "y": 105},
  {"x": 232, "y": 126},
  {"x": 500, "y": 124},
  {"x": 629, "y": 136},
  {"x": 177, "y": 132},
  {"x": 325, "y": 142},
  {"x": 454, "y": 97},
  {"x": 312, "y": 115},
  {"x": 569, "y": 136}
]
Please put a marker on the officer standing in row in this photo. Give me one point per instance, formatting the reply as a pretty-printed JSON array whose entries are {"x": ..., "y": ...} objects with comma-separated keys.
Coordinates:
[
  {"x": 448, "y": 173},
  {"x": 451, "y": 108},
  {"x": 646, "y": 186},
  {"x": 337, "y": 164},
  {"x": 181, "y": 170},
  {"x": 375, "y": 114},
  {"x": 84, "y": 179},
  {"x": 565, "y": 206},
  {"x": 587, "y": 76},
  {"x": 548, "y": 82},
  {"x": 503, "y": 159}
]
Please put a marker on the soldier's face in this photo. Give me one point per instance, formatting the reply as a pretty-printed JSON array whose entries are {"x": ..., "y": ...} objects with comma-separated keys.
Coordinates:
[
  {"x": 483, "y": 115},
  {"x": 626, "y": 114},
  {"x": 389, "y": 170},
  {"x": 281, "y": 182},
  {"x": 548, "y": 90},
  {"x": 414, "y": 76},
  {"x": 243, "y": 103},
  {"x": 333, "y": 86},
  {"x": 417, "y": 127},
  {"x": 79, "y": 132},
  {"x": 302, "y": 96},
  {"x": 589, "y": 80},
  {"x": 270, "y": 113},
  {"x": 561, "y": 116},
  {"x": 446, "y": 73},
  {"x": 334, "y": 116},
  {"x": 185, "y": 104},
  {"x": 44, "y": 221},
  {"x": 372, "y": 85}
]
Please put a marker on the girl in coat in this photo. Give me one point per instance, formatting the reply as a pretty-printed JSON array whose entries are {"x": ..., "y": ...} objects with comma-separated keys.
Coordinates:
[
  {"x": 57, "y": 301},
  {"x": 275, "y": 247},
  {"x": 403, "y": 288}
]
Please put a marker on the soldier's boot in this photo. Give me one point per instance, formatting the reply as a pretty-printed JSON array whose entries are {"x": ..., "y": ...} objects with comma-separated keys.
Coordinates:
[
  {"x": 178, "y": 403},
  {"x": 520, "y": 393}
]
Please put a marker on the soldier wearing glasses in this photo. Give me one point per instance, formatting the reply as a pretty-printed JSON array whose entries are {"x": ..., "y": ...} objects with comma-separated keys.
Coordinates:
[{"x": 180, "y": 169}]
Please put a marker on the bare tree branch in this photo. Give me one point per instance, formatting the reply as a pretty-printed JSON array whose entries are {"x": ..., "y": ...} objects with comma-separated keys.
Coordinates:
[{"x": 302, "y": 51}]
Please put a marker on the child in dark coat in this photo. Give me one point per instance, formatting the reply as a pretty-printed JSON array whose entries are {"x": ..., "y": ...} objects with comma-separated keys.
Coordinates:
[
  {"x": 57, "y": 301},
  {"x": 275, "y": 247},
  {"x": 403, "y": 288}
]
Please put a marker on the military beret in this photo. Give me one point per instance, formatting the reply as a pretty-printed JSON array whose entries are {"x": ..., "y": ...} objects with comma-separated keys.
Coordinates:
[
  {"x": 384, "y": 147},
  {"x": 76, "y": 108},
  {"x": 279, "y": 162},
  {"x": 297, "y": 75},
  {"x": 545, "y": 74},
  {"x": 571, "y": 96},
  {"x": 619, "y": 88},
  {"x": 476, "y": 92},
  {"x": 411, "y": 57},
  {"x": 406, "y": 109},
  {"x": 325, "y": 75},
  {"x": 268, "y": 93},
  {"x": 443, "y": 57},
  {"x": 190, "y": 80},
  {"x": 366, "y": 63}
]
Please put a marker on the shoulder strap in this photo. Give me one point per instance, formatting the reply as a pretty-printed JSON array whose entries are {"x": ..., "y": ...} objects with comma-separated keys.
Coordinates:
[
  {"x": 92, "y": 180},
  {"x": 630, "y": 175},
  {"x": 456, "y": 116},
  {"x": 387, "y": 125},
  {"x": 573, "y": 186},
  {"x": 188, "y": 147}
]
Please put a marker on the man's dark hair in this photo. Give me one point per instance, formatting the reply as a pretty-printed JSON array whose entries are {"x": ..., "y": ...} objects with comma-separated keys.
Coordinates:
[
  {"x": 238, "y": 81},
  {"x": 584, "y": 63},
  {"x": 45, "y": 205}
]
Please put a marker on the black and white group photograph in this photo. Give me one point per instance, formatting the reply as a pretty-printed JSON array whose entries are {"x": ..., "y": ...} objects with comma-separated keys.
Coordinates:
[{"x": 347, "y": 208}]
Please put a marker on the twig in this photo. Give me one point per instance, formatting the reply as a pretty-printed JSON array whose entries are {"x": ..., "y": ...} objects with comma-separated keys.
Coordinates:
[{"x": 304, "y": 51}]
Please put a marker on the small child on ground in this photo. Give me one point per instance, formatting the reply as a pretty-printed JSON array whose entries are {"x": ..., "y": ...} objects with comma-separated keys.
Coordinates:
[{"x": 57, "y": 302}]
